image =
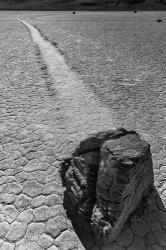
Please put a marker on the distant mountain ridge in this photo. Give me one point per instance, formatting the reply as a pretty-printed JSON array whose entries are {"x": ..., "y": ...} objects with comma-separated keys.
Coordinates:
[{"x": 83, "y": 4}]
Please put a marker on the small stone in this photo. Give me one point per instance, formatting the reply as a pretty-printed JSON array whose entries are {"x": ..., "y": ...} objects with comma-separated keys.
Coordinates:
[
  {"x": 125, "y": 237},
  {"x": 38, "y": 201},
  {"x": 26, "y": 216},
  {"x": 34, "y": 231},
  {"x": 32, "y": 188},
  {"x": 4, "y": 227},
  {"x": 55, "y": 226},
  {"x": 22, "y": 201},
  {"x": 137, "y": 244},
  {"x": 45, "y": 241},
  {"x": 16, "y": 231}
]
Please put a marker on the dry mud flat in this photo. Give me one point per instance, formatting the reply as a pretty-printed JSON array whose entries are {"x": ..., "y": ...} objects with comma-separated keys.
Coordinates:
[
  {"x": 121, "y": 56},
  {"x": 37, "y": 128}
]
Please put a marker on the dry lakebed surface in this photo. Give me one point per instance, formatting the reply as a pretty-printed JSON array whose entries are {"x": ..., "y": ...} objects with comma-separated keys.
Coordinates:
[{"x": 63, "y": 77}]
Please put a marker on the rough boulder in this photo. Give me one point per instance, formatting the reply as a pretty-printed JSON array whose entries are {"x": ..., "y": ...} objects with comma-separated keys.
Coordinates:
[{"x": 108, "y": 175}]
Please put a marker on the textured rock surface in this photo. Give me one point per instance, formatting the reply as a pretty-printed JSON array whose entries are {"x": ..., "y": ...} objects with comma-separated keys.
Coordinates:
[
  {"x": 82, "y": 175},
  {"x": 109, "y": 174},
  {"x": 125, "y": 176}
]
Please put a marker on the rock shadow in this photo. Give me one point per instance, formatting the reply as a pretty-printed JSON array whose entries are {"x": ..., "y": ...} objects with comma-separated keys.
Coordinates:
[{"x": 81, "y": 225}]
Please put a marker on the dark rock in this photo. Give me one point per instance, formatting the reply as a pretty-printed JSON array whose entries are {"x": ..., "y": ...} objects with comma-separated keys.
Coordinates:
[
  {"x": 82, "y": 174},
  {"x": 159, "y": 20},
  {"x": 81, "y": 180},
  {"x": 95, "y": 141},
  {"x": 125, "y": 176},
  {"x": 107, "y": 177}
]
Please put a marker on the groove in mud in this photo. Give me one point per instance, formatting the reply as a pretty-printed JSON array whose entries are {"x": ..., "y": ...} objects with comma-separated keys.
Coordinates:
[
  {"x": 79, "y": 104},
  {"x": 45, "y": 74},
  {"x": 55, "y": 44}
]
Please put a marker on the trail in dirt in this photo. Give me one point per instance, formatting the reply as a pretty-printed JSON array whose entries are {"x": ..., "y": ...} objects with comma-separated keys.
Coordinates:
[{"x": 84, "y": 113}]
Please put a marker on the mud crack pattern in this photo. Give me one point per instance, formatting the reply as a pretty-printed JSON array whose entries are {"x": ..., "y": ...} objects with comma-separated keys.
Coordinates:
[
  {"x": 36, "y": 130},
  {"x": 32, "y": 216}
]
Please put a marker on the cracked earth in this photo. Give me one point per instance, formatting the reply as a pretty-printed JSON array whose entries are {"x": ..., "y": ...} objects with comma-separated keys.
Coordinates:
[{"x": 45, "y": 111}]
